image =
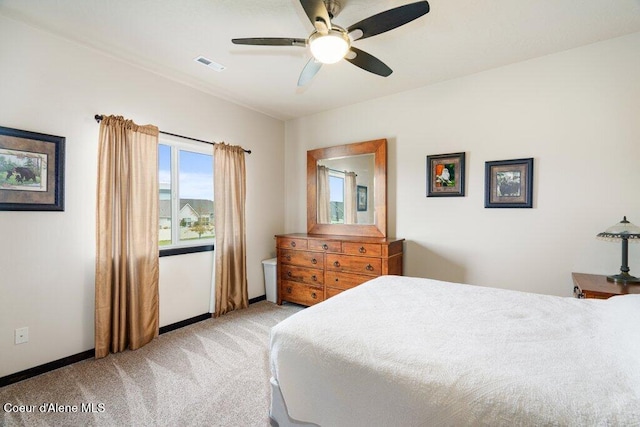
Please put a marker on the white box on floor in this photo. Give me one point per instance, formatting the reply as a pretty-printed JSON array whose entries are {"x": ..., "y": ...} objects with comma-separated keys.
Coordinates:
[{"x": 270, "y": 278}]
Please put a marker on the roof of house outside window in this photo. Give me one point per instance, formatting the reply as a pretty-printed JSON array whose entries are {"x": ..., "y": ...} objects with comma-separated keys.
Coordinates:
[{"x": 200, "y": 206}]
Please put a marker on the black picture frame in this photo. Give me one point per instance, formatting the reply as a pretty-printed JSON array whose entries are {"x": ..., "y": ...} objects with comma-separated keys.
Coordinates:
[
  {"x": 446, "y": 175},
  {"x": 509, "y": 183},
  {"x": 362, "y": 199},
  {"x": 31, "y": 171}
]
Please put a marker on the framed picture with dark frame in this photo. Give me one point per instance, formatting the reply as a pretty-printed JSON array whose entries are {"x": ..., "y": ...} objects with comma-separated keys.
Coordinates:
[
  {"x": 445, "y": 175},
  {"x": 509, "y": 184},
  {"x": 362, "y": 198},
  {"x": 31, "y": 171}
]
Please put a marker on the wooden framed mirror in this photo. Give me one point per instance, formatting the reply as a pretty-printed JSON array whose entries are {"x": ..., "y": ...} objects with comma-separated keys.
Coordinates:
[{"x": 360, "y": 208}]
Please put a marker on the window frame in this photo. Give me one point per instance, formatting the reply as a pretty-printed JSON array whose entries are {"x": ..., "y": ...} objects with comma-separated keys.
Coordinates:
[{"x": 176, "y": 247}]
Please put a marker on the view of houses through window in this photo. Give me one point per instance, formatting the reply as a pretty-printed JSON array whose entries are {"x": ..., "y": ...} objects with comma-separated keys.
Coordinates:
[{"x": 186, "y": 204}]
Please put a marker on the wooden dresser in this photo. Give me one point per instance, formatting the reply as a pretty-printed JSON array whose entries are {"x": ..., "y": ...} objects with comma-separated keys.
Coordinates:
[{"x": 314, "y": 267}]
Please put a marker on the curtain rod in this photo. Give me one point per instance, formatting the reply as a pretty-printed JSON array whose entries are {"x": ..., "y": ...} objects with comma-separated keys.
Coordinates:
[
  {"x": 336, "y": 170},
  {"x": 98, "y": 118}
]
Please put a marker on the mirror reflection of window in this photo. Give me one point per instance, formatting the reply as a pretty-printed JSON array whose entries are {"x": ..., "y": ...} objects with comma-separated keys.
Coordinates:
[{"x": 336, "y": 197}]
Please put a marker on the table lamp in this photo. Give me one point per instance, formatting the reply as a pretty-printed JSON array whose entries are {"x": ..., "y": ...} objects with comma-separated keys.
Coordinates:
[{"x": 624, "y": 231}]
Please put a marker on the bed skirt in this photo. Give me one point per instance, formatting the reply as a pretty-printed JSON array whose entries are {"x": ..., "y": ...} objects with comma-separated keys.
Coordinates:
[{"x": 278, "y": 415}]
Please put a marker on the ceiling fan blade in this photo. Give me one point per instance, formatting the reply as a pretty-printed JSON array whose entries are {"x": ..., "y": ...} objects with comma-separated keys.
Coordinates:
[
  {"x": 271, "y": 41},
  {"x": 368, "y": 62},
  {"x": 309, "y": 71},
  {"x": 318, "y": 14},
  {"x": 390, "y": 19}
]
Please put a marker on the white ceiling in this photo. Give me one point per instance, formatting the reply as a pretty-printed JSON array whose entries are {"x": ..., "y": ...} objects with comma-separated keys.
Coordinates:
[{"x": 456, "y": 38}]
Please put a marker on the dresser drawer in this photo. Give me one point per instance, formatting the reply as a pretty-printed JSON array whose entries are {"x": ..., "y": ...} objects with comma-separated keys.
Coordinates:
[
  {"x": 354, "y": 264},
  {"x": 370, "y": 249},
  {"x": 344, "y": 281},
  {"x": 325, "y": 245},
  {"x": 291, "y": 242},
  {"x": 301, "y": 258},
  {"x": 332, "y": 292},
  {"x": 300, "y": 293},
  {"x": 310, "y": 276}
]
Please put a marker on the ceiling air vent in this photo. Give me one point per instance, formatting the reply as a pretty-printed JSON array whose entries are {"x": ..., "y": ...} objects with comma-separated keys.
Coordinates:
[{"x": 209, "y": 63}]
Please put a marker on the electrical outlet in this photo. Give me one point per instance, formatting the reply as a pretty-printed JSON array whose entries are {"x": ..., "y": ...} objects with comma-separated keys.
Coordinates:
[{"x": 22, "y": 335}]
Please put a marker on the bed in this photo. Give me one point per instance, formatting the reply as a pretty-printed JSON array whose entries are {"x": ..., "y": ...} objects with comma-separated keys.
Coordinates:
[{"x": 401, "y": 351}]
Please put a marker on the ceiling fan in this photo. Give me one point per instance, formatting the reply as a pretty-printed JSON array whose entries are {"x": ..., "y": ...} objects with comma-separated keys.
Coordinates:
[{"x": 330, "y": 43}]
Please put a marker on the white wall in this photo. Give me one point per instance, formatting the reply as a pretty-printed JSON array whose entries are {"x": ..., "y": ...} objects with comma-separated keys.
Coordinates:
[
  {"x": 577, "y": 113},
  {"x": 54, "y": 86}
]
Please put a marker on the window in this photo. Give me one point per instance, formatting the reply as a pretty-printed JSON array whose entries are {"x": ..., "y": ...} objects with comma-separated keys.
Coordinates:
[
  {"x": 336, "y": 197},
  {"x": 186, "y": 206}
]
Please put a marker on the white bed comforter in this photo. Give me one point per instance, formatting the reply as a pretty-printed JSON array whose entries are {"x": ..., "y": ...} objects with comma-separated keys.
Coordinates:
[{"x": 400, "y": 351}]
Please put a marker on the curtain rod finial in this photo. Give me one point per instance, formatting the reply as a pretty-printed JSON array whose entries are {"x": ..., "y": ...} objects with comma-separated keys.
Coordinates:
[{"x": 98, "y": 117}]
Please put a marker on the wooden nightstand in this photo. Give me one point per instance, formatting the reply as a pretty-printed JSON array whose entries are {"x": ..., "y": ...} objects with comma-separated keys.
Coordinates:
[{"x": 597, "y": 286}]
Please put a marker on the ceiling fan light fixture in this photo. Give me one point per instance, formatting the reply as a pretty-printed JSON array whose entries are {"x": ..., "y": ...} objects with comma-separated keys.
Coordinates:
[{"x": 331, "y": 47}]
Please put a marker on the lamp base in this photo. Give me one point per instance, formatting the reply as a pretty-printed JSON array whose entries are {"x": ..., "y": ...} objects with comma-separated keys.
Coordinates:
[{"x": 624, "y": 278}]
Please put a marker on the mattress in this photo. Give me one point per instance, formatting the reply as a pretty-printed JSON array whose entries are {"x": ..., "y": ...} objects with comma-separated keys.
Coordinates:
[{"x": 413, "y": 352}]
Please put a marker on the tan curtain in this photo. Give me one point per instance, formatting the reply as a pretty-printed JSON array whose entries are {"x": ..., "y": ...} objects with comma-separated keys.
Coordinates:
[
  {"x": 126, "y": 300},
  {"x": 324, "y": 203},
  {"x": 350, "y": 198},
  {"x": 229, "y": 189}
]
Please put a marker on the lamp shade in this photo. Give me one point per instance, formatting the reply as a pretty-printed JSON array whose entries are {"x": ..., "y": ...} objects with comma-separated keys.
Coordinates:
[{"x": 622, "y": 230}]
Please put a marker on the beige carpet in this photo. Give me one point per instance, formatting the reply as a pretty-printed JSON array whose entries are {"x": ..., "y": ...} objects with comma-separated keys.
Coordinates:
[{"x": 213, "y": 373}]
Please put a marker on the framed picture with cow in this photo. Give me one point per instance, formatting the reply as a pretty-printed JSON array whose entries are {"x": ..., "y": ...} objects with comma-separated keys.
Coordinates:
[
  {"x": 509, "y": 184},
  {"x": 31, "y": 171}
]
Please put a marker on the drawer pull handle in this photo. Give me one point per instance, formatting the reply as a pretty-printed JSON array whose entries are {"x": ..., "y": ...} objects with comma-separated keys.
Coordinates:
[
  {"x": 293, "y": 244},
  {"x": 369, "y": 267},
  {"x": 362, "y": 250},
  {"x": 288, "y": 274},
  {"x": 289, "y": 289},
  {"x": 313, "y": 295},
  {"x": 325, "y": 246},
  {"x": 314, "y": 278},
  {"x": 336, "y": 263},
  {"x": 337, "y": 280},
  {"x": 314, "y": 261},
  {"x": 288, "y": 257}
]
